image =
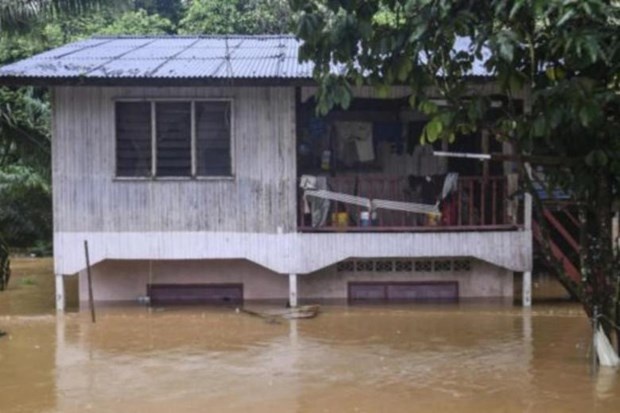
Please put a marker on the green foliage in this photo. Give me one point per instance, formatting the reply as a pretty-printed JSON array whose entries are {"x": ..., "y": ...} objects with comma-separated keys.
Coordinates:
[
  {"x": 565, "y": 53},
  {"x": 41, "y": 248},
  {"x": 19, "y": 17},
  {"x": 5, "y": 264},
  {"x": 171, "y": 10},
  {"x": 22, "y": 186},
  {"x": 137, "y": 22},
  {"x": 24, "y": 127},
  {"x": 130, "y": 22},
  {"x": 555, "y": 65},
  {"x": 237, "y": 17}
]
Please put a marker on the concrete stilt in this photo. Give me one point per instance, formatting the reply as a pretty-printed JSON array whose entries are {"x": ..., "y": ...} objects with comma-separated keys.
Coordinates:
[
  {"x": 527, "y": 289},
  {"x": 527, "y": 223},
  {"x": 60, "y": 292},
  {"x": 292, "y": 290}
]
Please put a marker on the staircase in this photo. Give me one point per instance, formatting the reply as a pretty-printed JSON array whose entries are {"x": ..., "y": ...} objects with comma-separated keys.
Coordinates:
[{"x": 564, "y": 230}]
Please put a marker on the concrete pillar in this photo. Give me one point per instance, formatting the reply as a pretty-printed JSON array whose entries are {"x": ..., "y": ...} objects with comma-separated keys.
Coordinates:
[
  {"x": 292, "y": 290},
  {"x": 527, "y": 223},
  {"x": 527, "y": 289},
  {"x": 60, "y": 292}
]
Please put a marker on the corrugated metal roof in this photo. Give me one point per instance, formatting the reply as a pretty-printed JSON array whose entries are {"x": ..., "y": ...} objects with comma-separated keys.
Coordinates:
[{"x": 171, "y": 58}]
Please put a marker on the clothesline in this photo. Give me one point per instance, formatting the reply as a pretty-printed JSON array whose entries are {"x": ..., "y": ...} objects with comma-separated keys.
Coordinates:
[{"x": 374, "y": 204}]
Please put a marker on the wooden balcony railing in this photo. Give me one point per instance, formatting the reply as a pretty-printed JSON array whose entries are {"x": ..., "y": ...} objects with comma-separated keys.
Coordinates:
[{"x": 476, "y": 204}]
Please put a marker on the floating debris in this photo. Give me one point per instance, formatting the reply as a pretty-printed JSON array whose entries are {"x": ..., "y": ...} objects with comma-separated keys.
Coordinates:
[{"x": 304, "y": 311}]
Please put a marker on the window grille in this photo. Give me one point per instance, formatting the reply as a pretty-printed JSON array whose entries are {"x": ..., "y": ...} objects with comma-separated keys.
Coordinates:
[{"x": 173, "y": 138}]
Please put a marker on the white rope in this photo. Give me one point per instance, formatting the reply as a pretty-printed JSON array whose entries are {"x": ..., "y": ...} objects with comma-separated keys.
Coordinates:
[
  {"x": 480, "y": 156},
  {"x": 405, "y": 207},
  {"x": 375, "y": 203},
  {"x": 340, "y": 197}
]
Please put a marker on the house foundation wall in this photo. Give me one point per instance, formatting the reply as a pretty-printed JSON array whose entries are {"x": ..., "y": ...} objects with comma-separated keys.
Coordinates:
[
  {"x": 481, "y": 280},
  {"x": 127, "y": 280}
]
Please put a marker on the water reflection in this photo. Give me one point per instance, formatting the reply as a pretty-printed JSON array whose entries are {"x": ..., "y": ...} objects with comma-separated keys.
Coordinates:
[
  {"x": 469, "y": 357},
  {"x": 27, "y": 364},
  {"x": 348, "y": 359}
]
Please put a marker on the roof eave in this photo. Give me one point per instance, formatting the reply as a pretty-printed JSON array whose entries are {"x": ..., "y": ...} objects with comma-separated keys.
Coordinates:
[
  {"x": 159, "y": 82},
  {"x": 176, "y": 82}
]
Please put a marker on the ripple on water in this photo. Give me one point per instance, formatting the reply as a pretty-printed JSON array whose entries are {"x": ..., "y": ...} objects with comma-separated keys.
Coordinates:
[{"x": 463, "y": 357}]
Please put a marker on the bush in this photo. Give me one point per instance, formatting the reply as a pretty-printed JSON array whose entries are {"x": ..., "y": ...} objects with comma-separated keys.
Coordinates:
[{"x": 26, "y": 207}]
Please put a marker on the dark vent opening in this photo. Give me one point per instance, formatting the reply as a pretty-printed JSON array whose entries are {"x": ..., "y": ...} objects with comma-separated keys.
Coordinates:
[
  {"x": 442, "y": 265},
  {"x": 423, "y": 266}
]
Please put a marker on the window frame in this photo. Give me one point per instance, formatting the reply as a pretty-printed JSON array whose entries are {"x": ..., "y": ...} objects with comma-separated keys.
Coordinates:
[{"x": 193, "y": 138}]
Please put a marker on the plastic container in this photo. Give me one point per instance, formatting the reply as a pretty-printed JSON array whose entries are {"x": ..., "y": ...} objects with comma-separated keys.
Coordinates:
[
  {"x": 340, "y": 219},
  {"x": 365, "y": 219},
  {"x": 326, "y": 159}
]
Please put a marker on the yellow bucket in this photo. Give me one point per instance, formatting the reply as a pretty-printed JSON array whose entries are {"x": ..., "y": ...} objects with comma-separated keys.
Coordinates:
[{"x": 340, "y": 219}]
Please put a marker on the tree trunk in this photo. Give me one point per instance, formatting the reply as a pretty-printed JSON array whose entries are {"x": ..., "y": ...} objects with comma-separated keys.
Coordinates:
[
  {"x": 599, "y": 254},
  {"x": 600, "y": 285}
]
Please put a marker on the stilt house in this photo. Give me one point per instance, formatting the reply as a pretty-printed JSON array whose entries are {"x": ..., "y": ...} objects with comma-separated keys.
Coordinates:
[{"x": 198, "y": 171}]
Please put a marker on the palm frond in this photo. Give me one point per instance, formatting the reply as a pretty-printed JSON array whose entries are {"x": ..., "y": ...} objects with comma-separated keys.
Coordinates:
[{"x": 18, "y": 16}]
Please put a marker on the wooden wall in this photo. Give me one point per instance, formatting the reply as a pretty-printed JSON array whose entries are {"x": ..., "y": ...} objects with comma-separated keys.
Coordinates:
[{"x": 260, "y": 198}]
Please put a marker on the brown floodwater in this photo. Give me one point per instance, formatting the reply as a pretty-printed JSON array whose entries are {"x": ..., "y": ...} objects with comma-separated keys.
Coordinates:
[{"x": 467, "y": 357}]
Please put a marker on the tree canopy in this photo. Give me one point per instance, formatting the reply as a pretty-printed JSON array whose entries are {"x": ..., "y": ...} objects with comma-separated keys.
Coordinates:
[
  {"x": 30, "y": 27},
  {"x": 237, "y": 17},
  {"x": 22, "y": 16},
  {"x": 553, "y": 64}
]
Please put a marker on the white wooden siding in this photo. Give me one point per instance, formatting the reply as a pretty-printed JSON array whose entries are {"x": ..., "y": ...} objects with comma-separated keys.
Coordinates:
[
  {"x": 292, "y": 253},
  {"x": 260, "y": 198},
  {"x": 250, "y": 216}
]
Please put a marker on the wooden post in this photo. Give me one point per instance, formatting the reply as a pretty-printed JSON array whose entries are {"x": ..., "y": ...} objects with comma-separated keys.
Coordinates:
[
  {"x": 615, "y": 231},
  {"x": 60, "y": 292},
  {"x": 485, "y": 144},
  {"x": 292, "y": 290},
  {"x": 91, "y": 301}
]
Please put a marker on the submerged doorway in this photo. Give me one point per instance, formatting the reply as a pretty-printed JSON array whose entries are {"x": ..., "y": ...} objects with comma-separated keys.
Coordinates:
[
  {"x": 422, "y": 291},
  {"x": 195, "y": 293}
]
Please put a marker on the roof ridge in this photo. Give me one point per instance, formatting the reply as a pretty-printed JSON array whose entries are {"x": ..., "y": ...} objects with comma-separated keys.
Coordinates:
[{"x": 191, "y": 36}]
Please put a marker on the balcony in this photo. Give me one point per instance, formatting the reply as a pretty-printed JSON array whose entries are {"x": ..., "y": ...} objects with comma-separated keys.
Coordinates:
[{"x": 474, "y": 204}]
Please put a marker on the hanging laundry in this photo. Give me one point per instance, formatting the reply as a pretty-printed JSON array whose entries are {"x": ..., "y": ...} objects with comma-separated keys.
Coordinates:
[
  {"x": 360, "y": 135},
  {"x": 391, "y": 132},
  {"x": 317, "y": 127},
  {"x": 427, "y": 163}
]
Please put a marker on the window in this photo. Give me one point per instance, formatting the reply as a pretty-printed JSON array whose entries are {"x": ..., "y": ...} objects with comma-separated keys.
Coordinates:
[
  {"x": 173, "y": 138},
  {"x": 133, "y": 139}
]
